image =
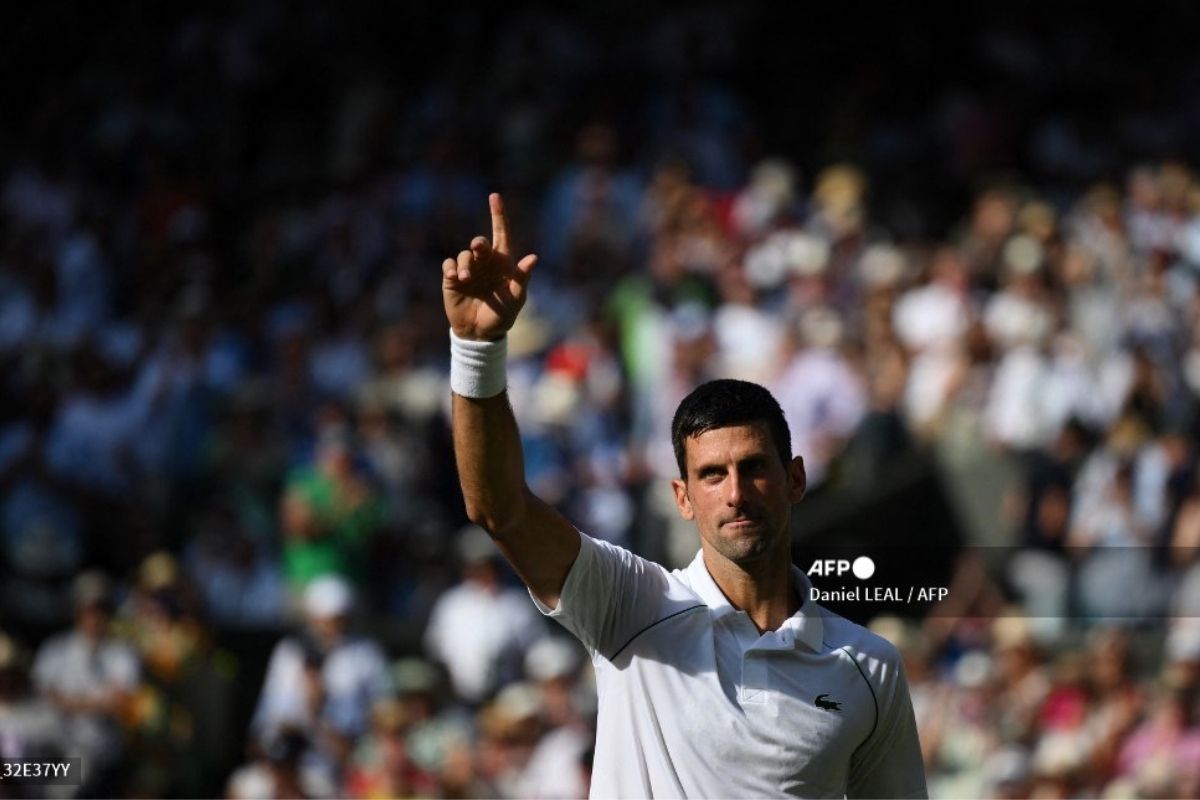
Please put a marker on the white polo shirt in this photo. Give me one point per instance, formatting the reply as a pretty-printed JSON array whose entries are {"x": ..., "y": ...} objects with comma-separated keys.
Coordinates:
[{"x": 694, "y": 702}]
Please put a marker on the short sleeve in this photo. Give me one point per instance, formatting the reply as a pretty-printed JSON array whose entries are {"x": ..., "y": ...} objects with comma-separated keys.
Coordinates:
[
  {"x": 889, "y": 763},
  {"x": 610, "y": 595}
]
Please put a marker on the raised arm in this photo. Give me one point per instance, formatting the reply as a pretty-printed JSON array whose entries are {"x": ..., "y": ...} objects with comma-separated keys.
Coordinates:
[{"x": 483, "y": 291}]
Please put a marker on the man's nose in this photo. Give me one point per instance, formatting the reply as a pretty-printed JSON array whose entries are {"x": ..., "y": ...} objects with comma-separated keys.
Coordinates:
[{"x": 736, "y": 493}]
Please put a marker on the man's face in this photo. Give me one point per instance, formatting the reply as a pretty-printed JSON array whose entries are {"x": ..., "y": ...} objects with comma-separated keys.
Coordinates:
[
  {"x": 327, "y": 629},
  {"x": 92, "y": 621},
  {"x": 739, "y": 493}
]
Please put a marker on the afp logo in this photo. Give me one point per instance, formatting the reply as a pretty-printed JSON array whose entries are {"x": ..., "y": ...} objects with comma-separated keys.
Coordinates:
[{"x": 862, "y": 567}]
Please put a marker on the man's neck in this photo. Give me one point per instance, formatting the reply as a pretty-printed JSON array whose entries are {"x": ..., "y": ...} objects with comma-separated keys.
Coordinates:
[{"x": 767, "y": 594}]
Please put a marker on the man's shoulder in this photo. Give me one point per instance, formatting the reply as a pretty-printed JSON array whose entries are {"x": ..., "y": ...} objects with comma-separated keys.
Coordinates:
[
  {"x": 613, "y": 596},
  {"x": 71, "y": 643},
  {"x": 289, "y": 646},
  {"x": 859, "y": 642},
  {"x": 360, "y": 649},
  {"x": 608, "y": 572},
  {"x": 624, "y": 558},
  {"x": 56, "y": 648}
]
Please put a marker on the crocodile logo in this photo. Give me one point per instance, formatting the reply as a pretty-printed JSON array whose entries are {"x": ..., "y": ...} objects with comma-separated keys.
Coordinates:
[{"x": 828, "y": 705}]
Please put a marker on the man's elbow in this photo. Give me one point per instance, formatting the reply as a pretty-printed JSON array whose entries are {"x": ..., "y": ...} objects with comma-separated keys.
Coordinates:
[{"x": 499, "y": 520}]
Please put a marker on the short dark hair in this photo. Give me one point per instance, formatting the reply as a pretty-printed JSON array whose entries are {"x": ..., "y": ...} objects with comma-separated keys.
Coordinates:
[{"x": 722, "y": 404}]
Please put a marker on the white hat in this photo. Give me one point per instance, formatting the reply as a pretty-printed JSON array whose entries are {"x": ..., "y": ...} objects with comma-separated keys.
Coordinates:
[{"x": 328, "y": 596}]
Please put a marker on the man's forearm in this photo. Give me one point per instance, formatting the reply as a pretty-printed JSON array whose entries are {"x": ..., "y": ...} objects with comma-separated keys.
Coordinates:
[
  {"x": 483, "y": 290},
  {"x": 491, "y": 466}
]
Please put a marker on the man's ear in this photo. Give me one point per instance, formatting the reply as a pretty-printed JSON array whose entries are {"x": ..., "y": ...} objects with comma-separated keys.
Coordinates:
[
  {"x": 682, "y": 501},
  {"x": 799, "y": 479}
]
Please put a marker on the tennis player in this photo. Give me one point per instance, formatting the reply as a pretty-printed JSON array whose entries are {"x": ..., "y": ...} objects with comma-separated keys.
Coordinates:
[{"x": 718, "y": 680}]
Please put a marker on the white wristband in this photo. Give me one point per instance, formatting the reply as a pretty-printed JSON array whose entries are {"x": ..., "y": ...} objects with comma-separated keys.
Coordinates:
[{"x": 477, "y": 369}]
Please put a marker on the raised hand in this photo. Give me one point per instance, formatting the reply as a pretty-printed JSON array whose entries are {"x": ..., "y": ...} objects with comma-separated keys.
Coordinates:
[{"x": 484, "y": 289}]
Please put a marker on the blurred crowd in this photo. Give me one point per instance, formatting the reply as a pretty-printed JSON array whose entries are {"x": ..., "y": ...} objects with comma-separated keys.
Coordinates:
[{"x": 233, "y": 551}]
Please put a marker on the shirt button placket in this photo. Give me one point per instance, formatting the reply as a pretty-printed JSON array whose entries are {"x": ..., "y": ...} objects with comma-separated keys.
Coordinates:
[{"x": 754, "y": 677}]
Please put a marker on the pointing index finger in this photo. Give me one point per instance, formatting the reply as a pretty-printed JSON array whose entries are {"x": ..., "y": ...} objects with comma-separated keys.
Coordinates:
[{"x": 499, "y": 223}]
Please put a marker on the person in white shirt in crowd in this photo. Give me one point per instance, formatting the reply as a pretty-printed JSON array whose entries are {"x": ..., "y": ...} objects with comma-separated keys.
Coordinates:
[
  {"x": 689, "y": 335},
  {"x": 1112, "y": 540},
  {"x": 820, "y": 393},
  {"x": 1019, "y": 322},
  {"x": 480, "y": 628},
  {"x": 90, "y": 677},
  {"x": 558, "y": 766},
  {"x": 931, "y": 320},
  {"x": 322, "y": 681},
  {"x": 720, "y": 679},
  {"x": 749, "y": 339}
]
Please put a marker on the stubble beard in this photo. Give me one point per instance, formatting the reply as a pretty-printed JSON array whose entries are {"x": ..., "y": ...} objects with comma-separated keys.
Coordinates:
[{"x": 746, "y": 552}]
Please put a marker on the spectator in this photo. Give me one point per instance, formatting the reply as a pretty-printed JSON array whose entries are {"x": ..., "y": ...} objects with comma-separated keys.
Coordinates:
[
  {"x": 43, "y": 530},
  {"x": 1021, "y": 681},
  {"x": 555, "y": 768},
  {"x": 509, "y": 726},
  {"x": 931, "y": 321},
  {"x": 380, "y": 765},
  {"x": 91, "y": 678},
  {"x": 240, "y": 583},
  {"x": 328, "y": 513},
  {"x": 439, "y": 730},
  {"x": 479, "y": 628},
  {"x": 1162, "y": 755},
  {"x": 1117, "y": 698},
  {"x": 821, "y": 394},
  {"x": 323, "y": 681},
  {"x": 1113, "y": 540}
]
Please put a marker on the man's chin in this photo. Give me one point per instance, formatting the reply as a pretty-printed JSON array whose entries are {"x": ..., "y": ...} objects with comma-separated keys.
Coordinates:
[{"x": 747, "y": 550}]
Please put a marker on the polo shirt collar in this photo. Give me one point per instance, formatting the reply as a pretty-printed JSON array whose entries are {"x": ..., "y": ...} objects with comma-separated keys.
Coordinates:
[{"x": 806, "y": 624}]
